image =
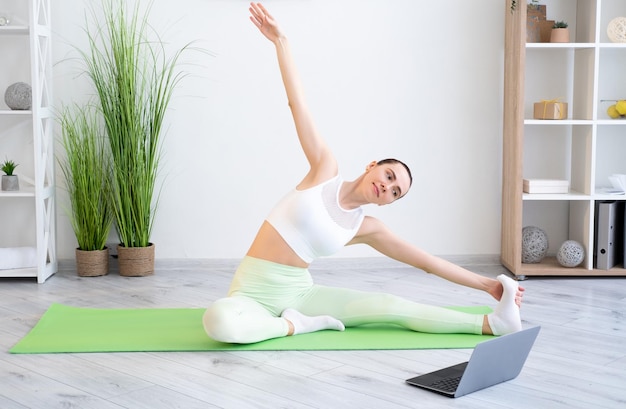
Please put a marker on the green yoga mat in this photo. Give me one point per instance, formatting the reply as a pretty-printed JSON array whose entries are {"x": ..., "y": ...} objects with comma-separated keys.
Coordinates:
[{"x": 69, "y": 329}]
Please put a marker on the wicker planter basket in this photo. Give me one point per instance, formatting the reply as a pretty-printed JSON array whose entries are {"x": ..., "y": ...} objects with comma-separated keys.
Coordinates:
[
  {"x": 92, "y": 263},
  {"x": 136, "y": 261}
]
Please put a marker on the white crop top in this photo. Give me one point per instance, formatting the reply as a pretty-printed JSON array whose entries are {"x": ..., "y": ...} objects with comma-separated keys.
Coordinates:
[{"x": 313, "y": 223}]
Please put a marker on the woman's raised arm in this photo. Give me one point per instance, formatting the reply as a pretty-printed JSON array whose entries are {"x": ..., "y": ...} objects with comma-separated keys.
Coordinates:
[{"x": 322, "y": 162}]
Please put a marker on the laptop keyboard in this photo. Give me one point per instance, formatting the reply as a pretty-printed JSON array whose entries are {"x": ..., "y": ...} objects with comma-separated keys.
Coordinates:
[{"x": 448, "y": 384}]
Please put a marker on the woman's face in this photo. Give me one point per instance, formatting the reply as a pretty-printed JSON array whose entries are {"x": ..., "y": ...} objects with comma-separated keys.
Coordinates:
[{"x": 386, "y": 183}]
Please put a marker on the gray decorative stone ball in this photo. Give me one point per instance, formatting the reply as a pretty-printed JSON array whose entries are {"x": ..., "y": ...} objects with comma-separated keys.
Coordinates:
[
  {"x": 18, "y": 96},
  {"x": 571, "y": 254},
  {"x": 534, "y": 244}
]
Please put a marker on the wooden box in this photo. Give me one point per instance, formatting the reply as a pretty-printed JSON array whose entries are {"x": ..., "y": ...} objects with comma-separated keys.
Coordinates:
[{"x": 550, "y": 110}]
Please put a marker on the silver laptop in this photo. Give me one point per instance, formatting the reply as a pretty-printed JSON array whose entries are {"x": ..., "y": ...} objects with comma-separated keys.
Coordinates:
[{"x": 492, "y": 362}]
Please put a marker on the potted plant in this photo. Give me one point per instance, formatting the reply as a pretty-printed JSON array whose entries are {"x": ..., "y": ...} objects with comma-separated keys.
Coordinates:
[
  {"x": 86, "y": 169},
  {"x": 10, "y": 182},
  {"x": 560, "y": 33},
  {"x": 134, "y": 81}
]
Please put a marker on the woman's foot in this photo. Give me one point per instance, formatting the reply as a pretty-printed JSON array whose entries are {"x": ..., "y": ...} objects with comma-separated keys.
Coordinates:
[
  {"x": 506, "y": 317},
  {"x": 303, "y": 323}
]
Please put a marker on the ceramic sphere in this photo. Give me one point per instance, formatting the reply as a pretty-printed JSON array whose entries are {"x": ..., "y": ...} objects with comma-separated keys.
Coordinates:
[
  {"x": 616, "y": 30},
  {"x": 18, "y": 96},
  {"x": 571, "y": 254},
  {"x": 534, "y": 244}
]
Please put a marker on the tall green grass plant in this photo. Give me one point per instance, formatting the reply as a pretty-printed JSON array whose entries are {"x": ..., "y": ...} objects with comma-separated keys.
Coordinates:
[
  {"x": 86, "y": 169},
  {"x": 134, "y": 80}
]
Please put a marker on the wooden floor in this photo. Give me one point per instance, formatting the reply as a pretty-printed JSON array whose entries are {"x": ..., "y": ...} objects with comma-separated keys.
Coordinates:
[{"x": 579, "y": 359}]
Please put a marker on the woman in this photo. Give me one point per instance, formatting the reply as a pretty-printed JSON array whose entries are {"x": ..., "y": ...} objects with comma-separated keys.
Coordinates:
[{"x": 272, "y": 294}]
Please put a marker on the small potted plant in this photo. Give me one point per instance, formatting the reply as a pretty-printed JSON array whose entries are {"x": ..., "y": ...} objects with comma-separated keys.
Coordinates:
[
  {"x": 10, "y": 181},
  {"x": 560, "y": 33}
]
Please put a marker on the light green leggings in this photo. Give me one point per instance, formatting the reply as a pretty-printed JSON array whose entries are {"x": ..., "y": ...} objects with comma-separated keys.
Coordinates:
[{"x": 262, "y": 290}]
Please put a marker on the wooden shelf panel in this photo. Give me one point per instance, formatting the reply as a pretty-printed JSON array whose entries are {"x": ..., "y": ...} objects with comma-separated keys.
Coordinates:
[{"x": 551, "y": 267}]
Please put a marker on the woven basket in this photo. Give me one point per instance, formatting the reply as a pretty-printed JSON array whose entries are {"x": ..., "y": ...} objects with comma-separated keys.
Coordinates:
[
  {"x": 136, "y": 261},
  {"x": 92, "y": 263}
]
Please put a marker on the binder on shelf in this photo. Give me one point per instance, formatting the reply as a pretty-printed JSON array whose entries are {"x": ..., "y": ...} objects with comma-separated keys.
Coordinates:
[
  {"x": 609, "y": 234},
  {"x": 624, "y": 234}
]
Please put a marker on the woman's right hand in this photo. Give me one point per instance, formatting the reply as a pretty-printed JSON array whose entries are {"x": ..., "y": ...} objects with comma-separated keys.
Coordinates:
[{"x": 264, "y": 22}]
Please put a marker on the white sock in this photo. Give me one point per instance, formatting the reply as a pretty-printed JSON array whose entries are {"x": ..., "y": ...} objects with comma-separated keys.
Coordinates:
[
  {"x": 303, "y": 323},
  {"x": 506, "y": 317}
]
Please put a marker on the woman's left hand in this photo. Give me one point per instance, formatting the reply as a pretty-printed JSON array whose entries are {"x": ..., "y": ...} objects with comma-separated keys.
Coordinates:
[{"x": 496, "y": 291}]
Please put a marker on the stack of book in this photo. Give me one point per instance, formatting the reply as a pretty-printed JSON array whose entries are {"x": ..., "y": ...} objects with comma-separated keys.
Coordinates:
[{"x": 546, "y": 186}]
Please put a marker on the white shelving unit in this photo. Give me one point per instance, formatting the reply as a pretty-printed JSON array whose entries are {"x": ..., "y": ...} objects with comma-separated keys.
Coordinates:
[
  {"x": 27, "y": 217},
  {"x": 585, "y": 148}
]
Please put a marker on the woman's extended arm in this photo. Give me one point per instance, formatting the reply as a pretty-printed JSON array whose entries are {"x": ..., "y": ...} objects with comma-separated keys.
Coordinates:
[
  {"x": 375, "y": 234},
  {"x": 321, "y": 160}
]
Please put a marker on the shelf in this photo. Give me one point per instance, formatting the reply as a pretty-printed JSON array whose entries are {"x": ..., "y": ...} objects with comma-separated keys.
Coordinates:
[
  {"x": 612, "y": 122},
  {"x": 14, "y": 30},
  {"x": 563, "y": 46},
  {"x": 11, "y": 112},
  {"x": 558, "y": 122},
  {"x": 19, "y": 272},
  {"x": 609, "y": 196},
  {"x": 572, "y": 195},
  {"x": 549, "y": 266},
  {"x": 574, "y": 46},
  {"x": 23, "y": 192},
  {"x": 612, "y": 45},
  {"x": 32, "y": 272},
  {"x": 27, "y": 191}
]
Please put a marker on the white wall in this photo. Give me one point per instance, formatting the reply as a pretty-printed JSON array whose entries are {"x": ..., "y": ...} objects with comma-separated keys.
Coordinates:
[{"x": 403, "y": 78}]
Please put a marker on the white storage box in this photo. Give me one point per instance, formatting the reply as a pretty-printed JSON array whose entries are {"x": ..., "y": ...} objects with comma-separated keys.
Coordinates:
[{"x": 546, "y": 186}]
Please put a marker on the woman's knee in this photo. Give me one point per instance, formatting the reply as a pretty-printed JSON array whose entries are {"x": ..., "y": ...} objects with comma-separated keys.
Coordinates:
[{"x": 220, "y": 321}]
